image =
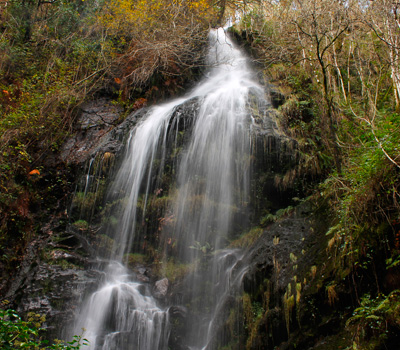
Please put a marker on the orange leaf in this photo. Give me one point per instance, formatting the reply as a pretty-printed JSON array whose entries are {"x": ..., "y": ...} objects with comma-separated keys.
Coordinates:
[{"x": 34, "y": 172}]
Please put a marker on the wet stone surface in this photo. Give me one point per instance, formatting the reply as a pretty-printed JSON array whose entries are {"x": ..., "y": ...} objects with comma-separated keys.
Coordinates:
[{"x": 97, "y": 118}]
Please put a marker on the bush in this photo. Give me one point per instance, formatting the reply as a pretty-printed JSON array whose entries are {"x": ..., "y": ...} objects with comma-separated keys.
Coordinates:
[
  {"x": 18, "y": 334},
  {"x": 373, "y": 319}
]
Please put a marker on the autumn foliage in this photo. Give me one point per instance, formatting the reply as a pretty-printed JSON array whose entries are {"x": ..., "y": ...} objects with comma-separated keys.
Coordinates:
[
  {"x": 56, "y": 54},
  {"x": 154, "y": 42}
]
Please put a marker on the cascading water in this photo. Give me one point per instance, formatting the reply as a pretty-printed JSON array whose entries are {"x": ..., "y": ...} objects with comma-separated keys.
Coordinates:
[{"x": 210, "y": 199}]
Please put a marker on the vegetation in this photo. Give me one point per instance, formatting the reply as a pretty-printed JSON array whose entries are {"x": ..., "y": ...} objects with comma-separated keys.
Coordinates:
[
  {"x": 174, "y": 271},
  {"x": 16, "y": 333},
  {"x": 374, "y": 320},
  {"x": 247, "y": 238},
  {"x": 337, "y": 65}
]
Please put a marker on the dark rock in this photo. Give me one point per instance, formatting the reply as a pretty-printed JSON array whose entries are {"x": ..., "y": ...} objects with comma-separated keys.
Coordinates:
[
  {"x": 54, "y": 291},
  {"x": 142, "y": 278},
  {"x": 178, "y": 312},
  {"x": 57, "y": 255},
  {"x": 96, "y": 120},
  {"x": 276, "y": 96},
  {"x": 98, "y": 113},
  {"x": 178, "y": 321}
]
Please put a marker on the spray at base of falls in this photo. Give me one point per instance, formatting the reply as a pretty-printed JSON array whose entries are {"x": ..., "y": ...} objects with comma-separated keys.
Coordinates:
[
  {"x": 123, "y": 312},
  {"x": 212, "y": 186}
]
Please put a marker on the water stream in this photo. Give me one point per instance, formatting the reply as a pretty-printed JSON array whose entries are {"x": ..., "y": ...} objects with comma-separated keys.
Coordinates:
[{"x": 209, "y": 201}]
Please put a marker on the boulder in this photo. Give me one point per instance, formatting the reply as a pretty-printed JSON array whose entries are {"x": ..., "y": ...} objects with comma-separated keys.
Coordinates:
[{"x": 161, "y": 288}]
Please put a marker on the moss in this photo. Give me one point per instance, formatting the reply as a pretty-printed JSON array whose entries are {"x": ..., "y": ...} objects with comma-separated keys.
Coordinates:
[
  {"x": 159, "y": 204},
  {"x": 134, "y": 259},
  {"x": 81, "y": 225},
  {"x": 248, "y": 238},
  {"x": 47, "y": 286},
  {"x": 173, "y": 270},
  {"x": 108, "y": 161},
  {"x": 104, "y": 244},
  {"x": 63, "y": 263},
  {"x": 253, "y": 315},
  {"x": 280, "y": 213},
  {"x": 113, "y": 208},
  {"x": 111, "y": 220}
]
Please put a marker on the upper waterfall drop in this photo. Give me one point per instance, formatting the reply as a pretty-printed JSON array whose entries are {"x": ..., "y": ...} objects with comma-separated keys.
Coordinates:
[
  {"x": 209, "y": 191},
  {"x": 213, "y": 176}
]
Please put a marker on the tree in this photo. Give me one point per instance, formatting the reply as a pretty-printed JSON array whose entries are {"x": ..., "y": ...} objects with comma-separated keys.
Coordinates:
[
  {"x": 383, "y": 17},
  {"x": 321, "y": 24}
]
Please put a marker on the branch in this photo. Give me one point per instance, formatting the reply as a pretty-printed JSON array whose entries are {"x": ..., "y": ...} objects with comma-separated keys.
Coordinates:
[
  {"x": 41, "y": 2},
  {"x": 381, "y": 147},
  {"x": 334, "y": 39},
  {"x": 302, "y": 30},
  {"x": 381, "y": 37},
  {"x": 98, "y": 71}
]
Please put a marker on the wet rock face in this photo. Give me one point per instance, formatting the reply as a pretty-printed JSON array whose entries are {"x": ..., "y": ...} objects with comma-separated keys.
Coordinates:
[
  {"x": 52, "y": 292},
  {"x": 54, "y": 289},
  {"x": 97, "y": 118},
  {"x": 99, "y": 129},
  {"x": 54, "y": 276},
  {"x": 178, "y": 319},
  {"x": 273, "y": 261},
  {"x": 284, "y": 243},
  {"x": 281, "y": 286},
  {"x": 274, "y": 157}
]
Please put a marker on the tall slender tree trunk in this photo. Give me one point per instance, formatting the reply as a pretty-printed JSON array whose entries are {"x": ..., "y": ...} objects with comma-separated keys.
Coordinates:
[
  {"x": 329, "y": 112},
  {"x": 339, "y": 73}
]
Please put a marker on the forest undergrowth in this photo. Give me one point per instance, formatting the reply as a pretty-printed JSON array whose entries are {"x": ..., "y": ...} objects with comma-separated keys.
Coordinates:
[{"x": 337, "y": 64}]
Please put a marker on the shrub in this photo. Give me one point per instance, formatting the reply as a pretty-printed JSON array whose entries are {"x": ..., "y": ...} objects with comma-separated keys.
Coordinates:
[{"x": 18, "y": 334}]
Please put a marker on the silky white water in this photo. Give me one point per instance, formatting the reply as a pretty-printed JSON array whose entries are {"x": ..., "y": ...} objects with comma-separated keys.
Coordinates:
[{"x": 211, "y": 188}]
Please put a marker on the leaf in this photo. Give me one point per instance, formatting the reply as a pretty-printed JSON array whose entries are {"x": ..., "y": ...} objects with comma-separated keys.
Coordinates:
[{"x": 373, "y": 317}]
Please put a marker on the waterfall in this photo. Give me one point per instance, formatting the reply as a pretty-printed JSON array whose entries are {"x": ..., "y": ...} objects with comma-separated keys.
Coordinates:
[{"x": 208, "y": 203}]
